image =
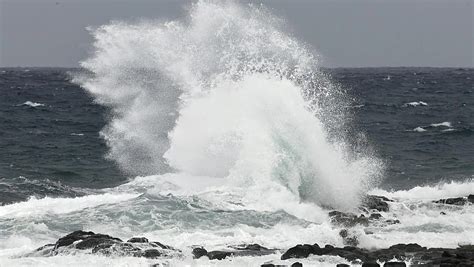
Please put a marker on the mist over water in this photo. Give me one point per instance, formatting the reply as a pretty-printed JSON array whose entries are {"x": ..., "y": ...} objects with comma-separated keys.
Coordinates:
[{"x": 227, "y": 93}]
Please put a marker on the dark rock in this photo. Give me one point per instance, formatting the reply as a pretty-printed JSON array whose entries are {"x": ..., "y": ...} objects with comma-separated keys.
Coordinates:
[
  {"x": 237, "y": 251},
  {"x": 470, "y": 198},
  {"x": 102, "y": 247},
  {"x": 376, "y": 203},
  {"x": 394, "y": 264},
  {"x": 342, "y": 265},
  {"x": 268, "y": 265},
  {"x": 461, "y": 256},
  {"x": 106, "y": 245},
  {"x": 412, "y": 247},
  {"x": 45, "y": 247},
  {"x": 251, "y": 250},
  {"x": 446, "y": 254},
  {"x": 138, "y": 240},
  {"x": 151, "y": 253},
  {"x": 347, "y": 219},
  {"x": 199, "y": 252},
  {"x": 46, "y": 250},
  {"x": 219, "y": 255},
  {"x": 254, "y": 247},
  {"x": 343, "y": 233},
  {"x": 375, "y": 216},
  {"x": 140, "y": 247},
  {"x": 351, "y": 241},
  {"x": 118, "y": 249},
  {"x": 326, "y": 250},
  {"x": 72, "y": 237},
  {"x": 442, "y": 213},
  {"x": 347, "y": 239},
  {"x": 425, "y": 257},
  {"x": 300, "y": 251},
  {"x": 92, "y": 242},
  {"x": 87, "y": 240},
  {"x": 391, "y": 221},
  {"x": 349, "y": 248},
  {"x": 370, "y": 264},
  {"x": 464, "y": 255},
  {"x": 349, "y": 253},
  {"x": 160, "y": 245},
  {"x": 297, "y": 264},
  {"x": 459, "y": 201}
]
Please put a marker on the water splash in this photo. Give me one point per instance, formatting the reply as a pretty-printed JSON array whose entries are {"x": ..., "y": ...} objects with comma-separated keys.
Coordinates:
[{"x": 227, "y": 93}]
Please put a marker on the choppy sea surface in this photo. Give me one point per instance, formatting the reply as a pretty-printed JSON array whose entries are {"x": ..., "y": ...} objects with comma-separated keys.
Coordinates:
[
  {"x": 205, "y": 142},
  {"x": 419, "y": 120}
]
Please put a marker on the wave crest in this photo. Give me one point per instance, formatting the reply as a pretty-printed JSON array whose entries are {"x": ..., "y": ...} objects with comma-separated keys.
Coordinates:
[{"x": 237, "y": 97}]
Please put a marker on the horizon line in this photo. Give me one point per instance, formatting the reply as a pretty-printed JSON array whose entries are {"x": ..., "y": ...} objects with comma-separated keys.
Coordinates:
[{"x": 323, "y": 67}]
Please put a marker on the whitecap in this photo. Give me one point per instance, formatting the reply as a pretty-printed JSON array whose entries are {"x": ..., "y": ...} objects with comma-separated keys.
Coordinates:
[
  {"x": 49, "y": 205},
  {"x": 419, "y": 129},
  {"x": 442, "y": 124},
  {"x": 431, "y": 192},
  {"x": 415, "y": 104},
  {"x": 32, "y": 104}
]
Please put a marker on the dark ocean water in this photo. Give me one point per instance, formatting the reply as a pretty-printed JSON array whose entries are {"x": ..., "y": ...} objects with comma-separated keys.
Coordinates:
[{"x": 51, "y": 145}]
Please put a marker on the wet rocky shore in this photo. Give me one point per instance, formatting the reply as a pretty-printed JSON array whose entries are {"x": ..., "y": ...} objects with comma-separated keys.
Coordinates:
[{"x": 396, "y": 255}]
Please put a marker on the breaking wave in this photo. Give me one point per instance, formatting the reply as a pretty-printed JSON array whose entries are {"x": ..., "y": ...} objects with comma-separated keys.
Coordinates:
[{"x": 227, "y": 93}]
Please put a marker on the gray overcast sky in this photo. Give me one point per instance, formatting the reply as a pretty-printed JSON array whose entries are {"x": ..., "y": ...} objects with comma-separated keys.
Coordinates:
[{"x": 346, "y": 32}]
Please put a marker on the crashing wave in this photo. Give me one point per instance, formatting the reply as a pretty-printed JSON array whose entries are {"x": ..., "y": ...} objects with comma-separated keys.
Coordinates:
[{"x": 251, "y": 106}]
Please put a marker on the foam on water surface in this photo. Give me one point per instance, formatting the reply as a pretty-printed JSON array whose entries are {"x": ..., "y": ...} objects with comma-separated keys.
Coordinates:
[
  {"x": 159, "y": 211},
  {"x": 35, "y": 207}
]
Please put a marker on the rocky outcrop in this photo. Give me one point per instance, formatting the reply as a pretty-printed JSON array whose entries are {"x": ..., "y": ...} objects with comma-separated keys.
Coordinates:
[
  {"x": 106, "y": 245},
  {"x": 346, "y": 219},
  {"x": 237, "y": 251},
  {"x": 301, "y": 251},
  {"x": 85, "y": 240},
  {"x": 394, "y": 256},
  {"x": 372, "y": 212},
  {"x": 461, "y": 256},
  {"x": 459, "y": 201},
  {"x": 379, "y": 203}
]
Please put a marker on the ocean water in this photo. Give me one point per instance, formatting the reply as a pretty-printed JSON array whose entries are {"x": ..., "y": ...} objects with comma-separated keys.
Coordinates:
[{"x": 223, "y": 129}]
